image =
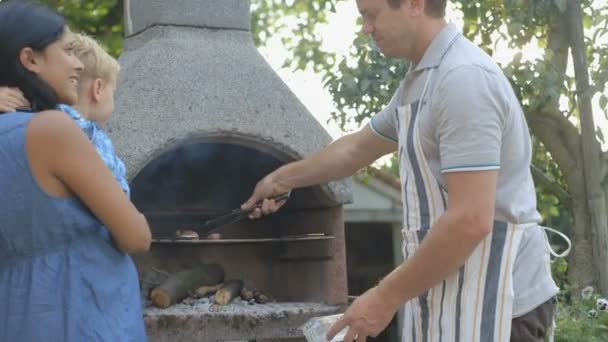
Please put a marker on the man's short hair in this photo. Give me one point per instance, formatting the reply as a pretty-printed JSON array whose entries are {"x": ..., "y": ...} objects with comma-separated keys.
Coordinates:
[
  {"x": 434, "y": 8},
  {"x": 97, "y": 62}
]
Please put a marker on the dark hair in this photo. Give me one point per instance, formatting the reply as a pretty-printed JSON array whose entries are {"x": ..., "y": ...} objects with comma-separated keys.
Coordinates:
[
  {"x": 434, "y": 8},
  {"x": 25, "y": 24}
]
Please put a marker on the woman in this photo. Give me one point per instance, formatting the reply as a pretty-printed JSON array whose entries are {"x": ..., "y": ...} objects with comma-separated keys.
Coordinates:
[{"x": 65, "y": 224}]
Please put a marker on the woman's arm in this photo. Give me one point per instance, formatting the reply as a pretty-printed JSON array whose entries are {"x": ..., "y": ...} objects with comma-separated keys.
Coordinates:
[{"x": 65, "y": 163}]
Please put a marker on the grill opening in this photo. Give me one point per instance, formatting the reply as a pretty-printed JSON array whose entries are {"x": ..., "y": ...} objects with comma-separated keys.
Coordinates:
[{"x": 294, "y": 254}]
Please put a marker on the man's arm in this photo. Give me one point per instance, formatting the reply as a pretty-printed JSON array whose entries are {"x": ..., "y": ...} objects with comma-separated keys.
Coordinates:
[
  {"x": 468, "y": 220},
  {"x": 340, "y": 159},
  {"x": 453, "y": 238}
]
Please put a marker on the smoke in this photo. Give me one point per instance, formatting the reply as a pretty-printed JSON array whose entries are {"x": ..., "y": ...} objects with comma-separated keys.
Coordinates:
[{"x": 202, "y": 177}]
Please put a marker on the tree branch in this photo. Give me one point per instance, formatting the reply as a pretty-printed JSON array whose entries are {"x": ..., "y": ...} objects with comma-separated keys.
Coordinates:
[
  {"x": 561, "y": 139},
  {"x": 550, "y": 185},
  {"x": 604, "y": 172},
  {"x": 557, "y": 133},
  {"x": 591, "y": 150}
]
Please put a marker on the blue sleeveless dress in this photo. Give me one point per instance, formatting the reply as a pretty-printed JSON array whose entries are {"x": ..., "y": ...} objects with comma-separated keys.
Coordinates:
[{"x": 61, "y": 277}]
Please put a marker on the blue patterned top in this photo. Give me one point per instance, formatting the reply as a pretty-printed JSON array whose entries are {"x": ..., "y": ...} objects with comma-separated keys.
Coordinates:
[
  {"x": 61, "y": 276},
  {"x": 103, "y": 145}
]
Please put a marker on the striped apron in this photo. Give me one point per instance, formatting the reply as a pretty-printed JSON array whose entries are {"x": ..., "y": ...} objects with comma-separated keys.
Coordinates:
[{"x": 475, "y": 303}]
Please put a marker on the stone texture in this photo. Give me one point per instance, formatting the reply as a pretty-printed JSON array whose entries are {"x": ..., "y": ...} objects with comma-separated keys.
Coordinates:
[
  {"x": 232, "y": 322},
  {"x": 229, "y": 14},
  {"x": 184, "y": 83}
]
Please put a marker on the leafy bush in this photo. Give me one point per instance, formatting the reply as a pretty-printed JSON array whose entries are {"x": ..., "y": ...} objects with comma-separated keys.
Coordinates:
[{"x": 581, "y": 318}]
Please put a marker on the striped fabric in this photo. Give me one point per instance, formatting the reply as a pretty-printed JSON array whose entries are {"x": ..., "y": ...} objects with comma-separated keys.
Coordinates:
[{"x": 475, "y": 303}]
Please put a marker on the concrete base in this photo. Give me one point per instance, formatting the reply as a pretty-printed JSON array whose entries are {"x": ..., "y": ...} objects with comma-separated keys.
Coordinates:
[{"x": 274, "y": 321}]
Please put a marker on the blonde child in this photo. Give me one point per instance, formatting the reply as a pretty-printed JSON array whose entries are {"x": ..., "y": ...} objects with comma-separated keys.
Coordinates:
[{"x": 95, "y": 101}]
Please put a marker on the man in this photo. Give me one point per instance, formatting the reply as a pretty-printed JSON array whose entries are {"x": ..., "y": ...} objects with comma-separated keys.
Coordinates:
[{"x": 477, "y": 267}]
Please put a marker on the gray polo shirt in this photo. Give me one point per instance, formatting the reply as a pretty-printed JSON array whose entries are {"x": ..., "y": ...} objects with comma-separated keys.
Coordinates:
[{"x": 471, "y": 120}]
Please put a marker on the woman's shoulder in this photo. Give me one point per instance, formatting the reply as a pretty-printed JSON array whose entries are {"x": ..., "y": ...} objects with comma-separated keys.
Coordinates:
[
  {"x": 54, "y": 134},
  {"x": 53, "y": 124},
  {"x": 54, "y": 118}
]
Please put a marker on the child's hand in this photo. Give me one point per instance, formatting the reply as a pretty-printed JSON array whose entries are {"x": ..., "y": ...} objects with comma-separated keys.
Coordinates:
[{"x": 11, "y": 99}]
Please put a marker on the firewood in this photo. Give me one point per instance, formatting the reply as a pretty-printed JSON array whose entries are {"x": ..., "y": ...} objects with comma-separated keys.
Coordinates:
[
  {"x": 260, "y": 297},
  {"x": 230, "y": 290},
  {"x": 178, "y": 285},
  {"x": 205, "y": 291},
  {"x": 246, "y": 294}
]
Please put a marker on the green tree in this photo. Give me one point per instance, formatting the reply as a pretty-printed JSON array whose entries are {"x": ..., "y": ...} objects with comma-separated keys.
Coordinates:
[
  {"x": 569, "y": 166},
  {"x": 102, "y": 19}
]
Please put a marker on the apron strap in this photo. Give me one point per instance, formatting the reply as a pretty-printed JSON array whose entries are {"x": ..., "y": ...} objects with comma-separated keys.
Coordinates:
[
  {"x": 563, "y": 236},
  {"x": 426, "y": 86}
]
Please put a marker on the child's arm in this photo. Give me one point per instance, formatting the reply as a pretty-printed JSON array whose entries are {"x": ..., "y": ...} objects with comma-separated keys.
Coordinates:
[{"x": 12, "y": 99}]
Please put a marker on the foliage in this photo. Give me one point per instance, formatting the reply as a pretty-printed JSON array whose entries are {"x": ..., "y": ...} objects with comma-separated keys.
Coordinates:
[
  {"x": 362, "y": 82},
  {"x": 101, "y": 19},
  {"x": 578, "y": 318}
]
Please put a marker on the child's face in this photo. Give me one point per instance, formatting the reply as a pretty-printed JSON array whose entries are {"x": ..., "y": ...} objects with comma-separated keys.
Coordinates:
[
  {"x": 96, "y": 99},
  {"x": 105, "y": 102}
]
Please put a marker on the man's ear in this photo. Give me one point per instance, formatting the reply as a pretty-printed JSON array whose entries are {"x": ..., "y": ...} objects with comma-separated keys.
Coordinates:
[
  {"x": 30, "y": 59},
  {"x": 96, "y": 89},
  {"x": 416, "y": 6}
]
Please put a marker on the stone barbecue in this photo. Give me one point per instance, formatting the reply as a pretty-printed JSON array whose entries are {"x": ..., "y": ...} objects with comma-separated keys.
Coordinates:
[{"x": 200, "y": 119}]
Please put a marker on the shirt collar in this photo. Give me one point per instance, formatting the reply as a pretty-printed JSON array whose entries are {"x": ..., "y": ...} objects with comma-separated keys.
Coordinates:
[
  {"x": 71, "y": 111},
  {"x": 439, "y": 46}
]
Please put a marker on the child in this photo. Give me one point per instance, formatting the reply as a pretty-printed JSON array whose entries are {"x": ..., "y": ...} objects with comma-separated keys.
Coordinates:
[
  {"x": 95, "y": 101},
  {"x": 62, "y": 278}
]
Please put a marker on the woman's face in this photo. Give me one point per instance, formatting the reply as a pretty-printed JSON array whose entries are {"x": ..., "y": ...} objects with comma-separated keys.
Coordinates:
[{"x": 59, "y": 68}]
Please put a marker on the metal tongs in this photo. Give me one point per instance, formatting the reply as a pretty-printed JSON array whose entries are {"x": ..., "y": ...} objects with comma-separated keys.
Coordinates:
[{"x": 234, "y": 216}]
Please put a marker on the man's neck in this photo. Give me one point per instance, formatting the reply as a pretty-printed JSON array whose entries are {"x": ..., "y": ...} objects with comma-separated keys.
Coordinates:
[{"x": 430, "y": 31}]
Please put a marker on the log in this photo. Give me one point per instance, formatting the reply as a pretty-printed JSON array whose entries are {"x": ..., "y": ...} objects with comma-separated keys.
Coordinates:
[
  {"x": 260, "y": 297},
  {"x": 247, "y": 294},
  {"x": 230, "y": 290},
  {"x": 178, "y": 285},
  {"x": 205, "y": 291}
]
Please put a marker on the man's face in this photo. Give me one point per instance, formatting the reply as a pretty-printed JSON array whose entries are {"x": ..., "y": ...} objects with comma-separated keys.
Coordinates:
[{"x": 393, "y": 29}]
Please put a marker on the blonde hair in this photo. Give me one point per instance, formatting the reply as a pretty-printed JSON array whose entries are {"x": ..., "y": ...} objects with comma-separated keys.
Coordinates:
[{"x": 97, "y": 62}]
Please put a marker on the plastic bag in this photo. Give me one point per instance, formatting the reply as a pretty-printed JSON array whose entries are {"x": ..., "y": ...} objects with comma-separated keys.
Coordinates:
[{"x": 316, "y": 329}]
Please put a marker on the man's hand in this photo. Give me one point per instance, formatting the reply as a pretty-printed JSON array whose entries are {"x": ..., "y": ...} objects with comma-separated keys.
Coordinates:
[
  {"x": 368, "y": 315},
  {"x": 11, "y": 99},
  {"x": 263, "y": 193},
  {"x": 338, "y": 160}
]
